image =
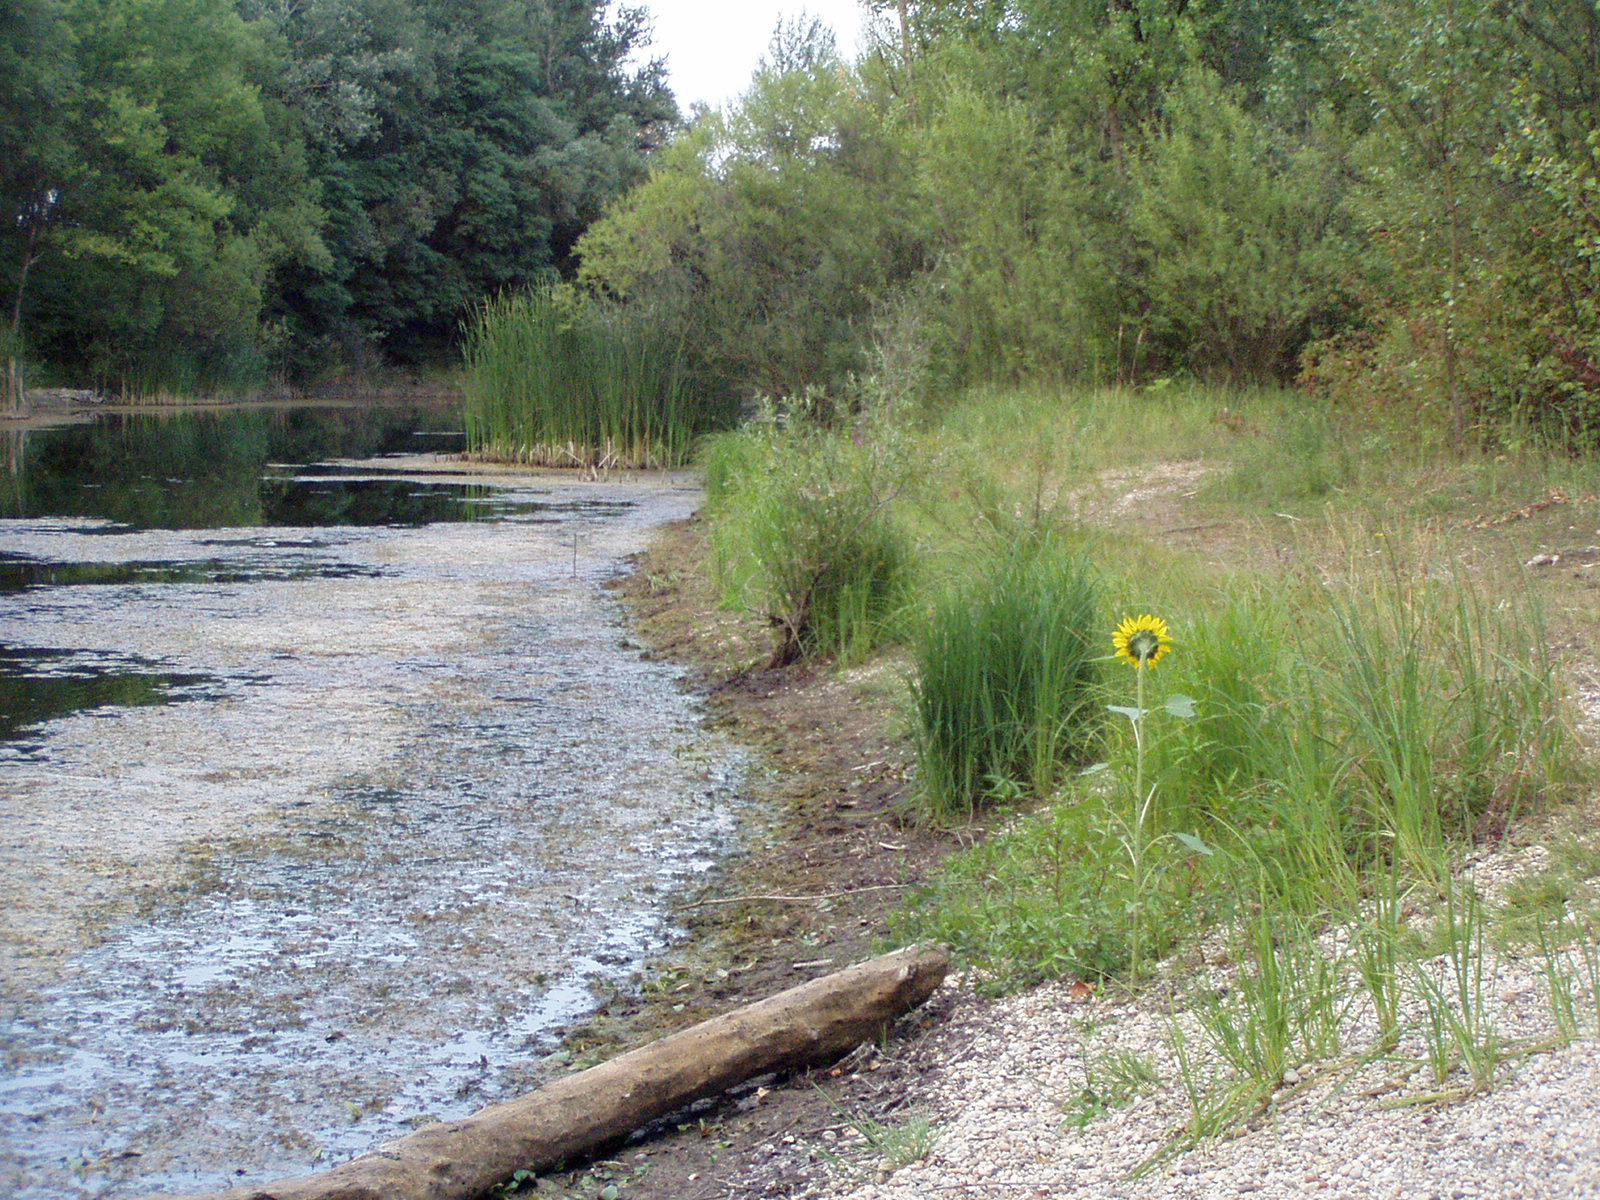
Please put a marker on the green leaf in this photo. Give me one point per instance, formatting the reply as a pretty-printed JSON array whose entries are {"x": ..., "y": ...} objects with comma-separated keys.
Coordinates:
[
  {"x": 1133, "y": 714},
  {"x": 610, "y": 1192},
  {"x": 1180, "y": 705},
  {"x": 1194, "y": 843},
  {"x": 1095, "y": 769}
]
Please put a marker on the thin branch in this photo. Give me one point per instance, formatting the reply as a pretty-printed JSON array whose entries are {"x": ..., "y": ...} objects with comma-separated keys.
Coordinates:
[{"x": 883, "y": 887}]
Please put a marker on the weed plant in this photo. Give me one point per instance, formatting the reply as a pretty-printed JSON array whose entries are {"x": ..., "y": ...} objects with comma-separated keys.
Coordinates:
[
  {"x": 555, "y": 379},
  {"x": 1054, "y": 896},
  {"x": 1004, "y": 694},
  {"x": 1112, "y": 1079},
  {"x": 894, "y": 1146},
  {"x": 803, "y": 533}
]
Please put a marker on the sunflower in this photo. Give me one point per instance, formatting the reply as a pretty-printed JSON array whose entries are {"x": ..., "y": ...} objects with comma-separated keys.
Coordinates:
[{"x": 1142, "y": 640}]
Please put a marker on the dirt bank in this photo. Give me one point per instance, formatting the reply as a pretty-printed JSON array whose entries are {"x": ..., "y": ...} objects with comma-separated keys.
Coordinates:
[{"x": 829, "y": 829}]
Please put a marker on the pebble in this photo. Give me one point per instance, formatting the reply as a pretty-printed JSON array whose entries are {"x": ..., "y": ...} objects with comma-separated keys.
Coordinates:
[{"x": 996, "y": 1073}]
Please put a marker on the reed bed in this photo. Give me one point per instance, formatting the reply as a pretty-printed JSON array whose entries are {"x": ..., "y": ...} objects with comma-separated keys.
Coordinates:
[{"x": 556, "y": 379}]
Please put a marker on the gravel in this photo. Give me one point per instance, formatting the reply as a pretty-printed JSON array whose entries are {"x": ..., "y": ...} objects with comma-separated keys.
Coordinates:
[
  {"x": 1002, "y": 1083},
  {"x": 1000, "y": 1079}
]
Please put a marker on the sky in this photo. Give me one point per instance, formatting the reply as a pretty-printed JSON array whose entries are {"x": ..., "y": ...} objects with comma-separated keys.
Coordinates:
[{"x": 711, "y": 46}]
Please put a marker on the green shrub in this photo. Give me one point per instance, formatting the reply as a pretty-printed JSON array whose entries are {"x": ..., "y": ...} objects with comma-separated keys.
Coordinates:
[
  {"x": 1005, "y": 672},
  {"x": 802, "y": 534},
  {"x": 1054, "y": 896}
]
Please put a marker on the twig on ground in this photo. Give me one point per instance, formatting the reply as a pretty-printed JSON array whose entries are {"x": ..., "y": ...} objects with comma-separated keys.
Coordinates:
[{"x": 883, "y": 887}]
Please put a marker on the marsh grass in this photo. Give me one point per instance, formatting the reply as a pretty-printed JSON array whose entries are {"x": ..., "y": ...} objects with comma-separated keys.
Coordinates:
[
  {"x": 1004, "y": 692},
  {"x": 553, "y": 378},
  {"x": 1350, "y": 729}
]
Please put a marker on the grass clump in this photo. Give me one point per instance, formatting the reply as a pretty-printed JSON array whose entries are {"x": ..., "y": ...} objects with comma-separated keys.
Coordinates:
[
  {"x": 1342, "y": 731},
  {"x": 1005, "y": 672},
  {"x": 553, "y": 378},
  {"x": 804, "y": 534},
  {"x": 1112, "y": 1079},
  {"x": 1062, "y": 893}
]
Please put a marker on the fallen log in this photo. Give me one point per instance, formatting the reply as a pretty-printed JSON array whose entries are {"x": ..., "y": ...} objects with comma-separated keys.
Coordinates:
[{"x": 810, "y": 1025}]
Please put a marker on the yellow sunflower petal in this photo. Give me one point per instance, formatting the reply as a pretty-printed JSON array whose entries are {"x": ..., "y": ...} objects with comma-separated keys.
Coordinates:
[{"x": 1142, "y": 641}]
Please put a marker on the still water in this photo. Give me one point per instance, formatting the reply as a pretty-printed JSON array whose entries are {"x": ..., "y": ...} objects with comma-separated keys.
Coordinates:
[{"x": 330, "y": 786}]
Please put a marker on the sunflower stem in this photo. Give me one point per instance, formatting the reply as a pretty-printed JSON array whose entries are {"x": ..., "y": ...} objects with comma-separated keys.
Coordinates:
[{"x": 1141, "y": 809}]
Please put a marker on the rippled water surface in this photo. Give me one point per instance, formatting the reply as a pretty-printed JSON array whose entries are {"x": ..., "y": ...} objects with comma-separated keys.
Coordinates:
[{"x": 327, "y": 791}]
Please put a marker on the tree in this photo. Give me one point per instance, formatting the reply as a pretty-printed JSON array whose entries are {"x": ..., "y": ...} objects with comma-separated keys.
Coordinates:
[
  {"x": 462, "y": 148},
  {"x": 770, "y": 234},
  {"x": 158, "y": 197},
  {"x": 38, "y": 83},
  {"x": 1240, "y": 236},
  {"x": 1441, "y": 220}
]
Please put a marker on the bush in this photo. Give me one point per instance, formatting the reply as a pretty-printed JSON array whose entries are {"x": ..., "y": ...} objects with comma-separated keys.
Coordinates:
[{"x": 802, "y": 534}]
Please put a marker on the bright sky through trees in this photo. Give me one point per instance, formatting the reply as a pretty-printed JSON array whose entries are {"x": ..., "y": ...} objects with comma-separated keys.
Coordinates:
[{"x": 711, "y": 46}]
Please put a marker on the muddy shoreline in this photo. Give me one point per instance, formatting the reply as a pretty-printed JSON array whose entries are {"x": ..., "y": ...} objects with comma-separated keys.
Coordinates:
[
  {"x": 823, "y": 821},
  {"x": 464, "y": 670},
  {"x": 827, "y": 823}
]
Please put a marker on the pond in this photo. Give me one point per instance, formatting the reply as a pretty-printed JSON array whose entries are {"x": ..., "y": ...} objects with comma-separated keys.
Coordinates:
[{"x": 330, "y": 788}]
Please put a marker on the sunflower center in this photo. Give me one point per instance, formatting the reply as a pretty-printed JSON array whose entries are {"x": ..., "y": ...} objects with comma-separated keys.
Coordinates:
[{"x": 1144, "y": 644}]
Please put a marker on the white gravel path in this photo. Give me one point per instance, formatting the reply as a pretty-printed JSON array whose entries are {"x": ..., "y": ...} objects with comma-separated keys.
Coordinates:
[{"x": 1011, "y": 1067}]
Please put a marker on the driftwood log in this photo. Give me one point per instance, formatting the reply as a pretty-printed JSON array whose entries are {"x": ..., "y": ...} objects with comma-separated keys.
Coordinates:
[{"x": 810, "y": 1025}]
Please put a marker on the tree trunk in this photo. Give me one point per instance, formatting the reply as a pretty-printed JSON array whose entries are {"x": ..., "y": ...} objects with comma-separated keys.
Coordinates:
[{"x": 809, "y": 1025}]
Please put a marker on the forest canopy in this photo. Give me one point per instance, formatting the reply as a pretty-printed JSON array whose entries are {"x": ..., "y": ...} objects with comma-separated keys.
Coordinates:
[
  {"x": 1396, "y": 201},
  {"x": 210, "y": 193},
  {"x": 1391, "y": 200}
]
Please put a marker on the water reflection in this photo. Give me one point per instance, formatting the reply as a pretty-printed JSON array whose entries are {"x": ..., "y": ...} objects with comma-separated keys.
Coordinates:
[
  {"x": 40, "y": 685},
  {"x": 208, "y": 470}
]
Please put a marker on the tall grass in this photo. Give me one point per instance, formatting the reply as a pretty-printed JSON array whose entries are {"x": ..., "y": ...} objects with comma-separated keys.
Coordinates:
[
  {"x": 1381, "y": 713},
  {"x": 556, "y": 379},
  {"x": 1348, "y": 730},
  {"x": 1005, "y": 675},
  {"x": 803, "y": 533}
]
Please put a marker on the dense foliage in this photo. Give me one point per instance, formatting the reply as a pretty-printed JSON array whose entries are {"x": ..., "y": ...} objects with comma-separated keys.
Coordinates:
[
  {"x": 199, "y": 193},
  {"x": 1393, "y": 200}
]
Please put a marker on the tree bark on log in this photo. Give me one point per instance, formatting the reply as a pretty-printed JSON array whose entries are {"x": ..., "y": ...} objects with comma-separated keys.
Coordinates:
[{"x": 810, "y": 1025}]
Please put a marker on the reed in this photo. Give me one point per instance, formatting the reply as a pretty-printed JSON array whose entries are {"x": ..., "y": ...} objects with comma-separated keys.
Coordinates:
[{"x": 553, "y": 378}]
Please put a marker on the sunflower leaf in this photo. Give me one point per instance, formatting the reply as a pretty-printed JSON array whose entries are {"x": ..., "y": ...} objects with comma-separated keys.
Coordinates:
[
  {"x": 1180, "y": 705},
  {"x": 1194, "y": 843}
]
